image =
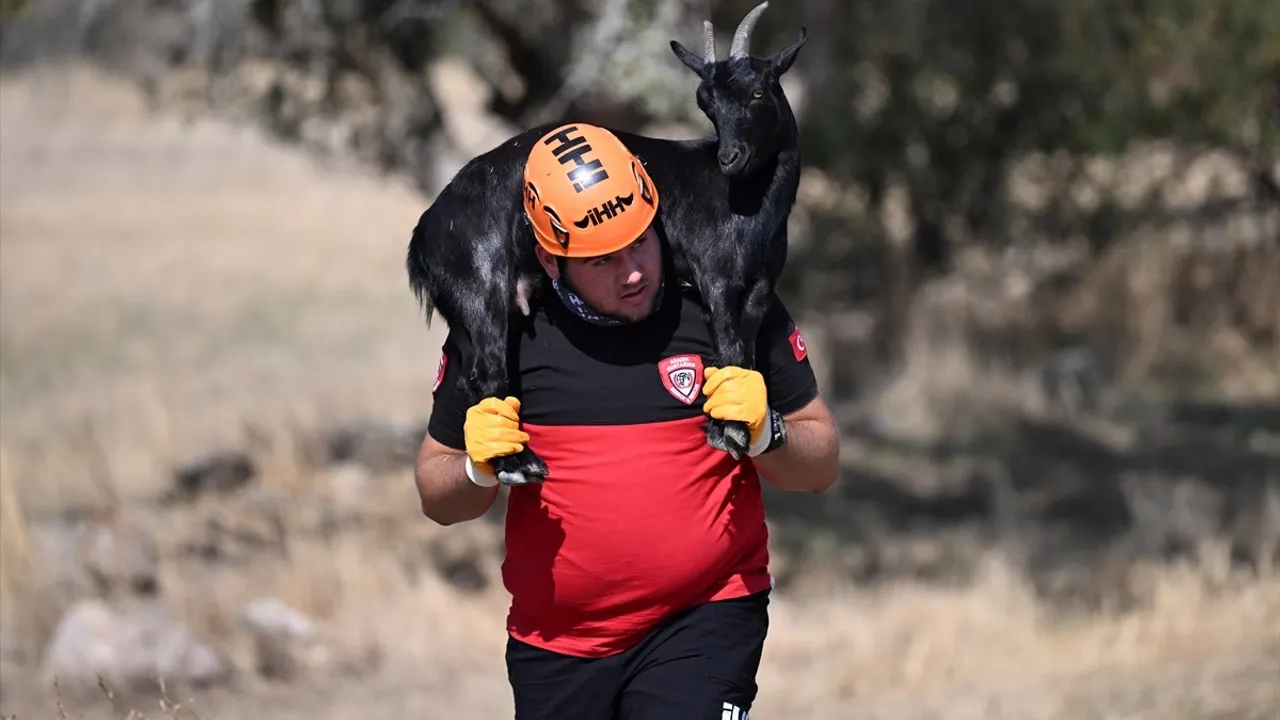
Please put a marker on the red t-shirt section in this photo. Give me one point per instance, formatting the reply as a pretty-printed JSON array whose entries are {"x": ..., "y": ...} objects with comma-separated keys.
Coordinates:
[
  {"x": 632, "y": 524},
  {"x": 638, "y": 518}
]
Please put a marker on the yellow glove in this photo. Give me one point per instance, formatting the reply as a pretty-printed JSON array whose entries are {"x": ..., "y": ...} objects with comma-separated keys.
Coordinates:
[
  {"x": 492, "y": 429},
  {"x": 734, "y": 393}
]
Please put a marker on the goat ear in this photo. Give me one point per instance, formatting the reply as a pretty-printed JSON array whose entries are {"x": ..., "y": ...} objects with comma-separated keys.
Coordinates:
[
  {"x": 691, "y": 61},
  {"x": 781, "y": 61}
]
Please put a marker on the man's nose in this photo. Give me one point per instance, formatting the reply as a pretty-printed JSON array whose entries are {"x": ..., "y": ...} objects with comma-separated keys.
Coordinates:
[{"x": 631, "y": 266}]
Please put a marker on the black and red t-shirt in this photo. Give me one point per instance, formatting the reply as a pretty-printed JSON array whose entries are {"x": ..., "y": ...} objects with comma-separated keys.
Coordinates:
[{"x": 638, "y": 517}]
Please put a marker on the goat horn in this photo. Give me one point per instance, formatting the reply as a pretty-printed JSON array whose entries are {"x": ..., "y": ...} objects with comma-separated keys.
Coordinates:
[
  {"x": 708, "y": 42},
  {"x": 743, "y": 34}
]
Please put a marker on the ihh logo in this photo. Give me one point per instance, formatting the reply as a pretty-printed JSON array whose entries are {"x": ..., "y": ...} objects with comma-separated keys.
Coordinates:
[
  {"x": 607, "y": 210},
  {"x": 575, "y": 149}
]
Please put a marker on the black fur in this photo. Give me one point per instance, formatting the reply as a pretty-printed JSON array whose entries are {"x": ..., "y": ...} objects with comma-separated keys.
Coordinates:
[{"x": 725, "y": 200}]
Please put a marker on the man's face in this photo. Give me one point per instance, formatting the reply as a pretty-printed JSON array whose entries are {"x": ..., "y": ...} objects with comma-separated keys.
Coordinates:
[{"x": 622, "y": 285}]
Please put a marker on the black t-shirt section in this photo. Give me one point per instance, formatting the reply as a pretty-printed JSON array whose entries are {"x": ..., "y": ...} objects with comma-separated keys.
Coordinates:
[
  {"x": 790, "y": 381},
  {"x": 449, "y": 409},
  {"x": 571, "y": 372}
]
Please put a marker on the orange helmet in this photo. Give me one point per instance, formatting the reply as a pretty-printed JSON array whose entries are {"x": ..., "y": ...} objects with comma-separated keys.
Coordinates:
[{"x": 585, "y": 193}]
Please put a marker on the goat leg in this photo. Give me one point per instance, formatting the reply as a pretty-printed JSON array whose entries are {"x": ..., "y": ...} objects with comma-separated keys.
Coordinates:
[
  {"x": 720, "y": 296},
  {"x": 754, "y": 308},
  {"x": 489, "y": 331}
]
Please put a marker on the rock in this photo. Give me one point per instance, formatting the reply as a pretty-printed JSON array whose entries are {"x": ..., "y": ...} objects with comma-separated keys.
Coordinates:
[
  {"x": 284, "y": 640},
  {"x": 378, "y": 446},
  {"x": 269, "y": 616},
  {"x": 112, "y": 553},
  {"x": 347, "y": 483},
  {"x": 83, "y": 647},
  {"x": 463, "y": 559},
  {"x": 217, "y": 472},
  {"x": 56, "y": 549},
  {"x": 128, "y": 650},
  {"x": 122, "y": 558},
  {"x": 152, "y": 646},
  {"x": 236, "y": 532}
]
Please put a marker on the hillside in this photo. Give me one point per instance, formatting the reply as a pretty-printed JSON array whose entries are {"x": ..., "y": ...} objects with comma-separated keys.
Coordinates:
[{"x": 172, "y": 289}]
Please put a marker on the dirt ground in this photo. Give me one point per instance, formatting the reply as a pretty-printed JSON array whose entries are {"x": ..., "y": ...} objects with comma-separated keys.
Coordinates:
[{"x": 162, "y": 282}]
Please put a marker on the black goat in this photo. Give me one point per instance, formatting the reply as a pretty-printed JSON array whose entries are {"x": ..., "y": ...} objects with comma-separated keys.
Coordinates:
[{"x": 725, "y": 203}]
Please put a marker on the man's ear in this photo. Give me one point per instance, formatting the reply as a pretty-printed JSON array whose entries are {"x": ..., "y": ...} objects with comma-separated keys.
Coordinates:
[{"x": 548, "y": 262}]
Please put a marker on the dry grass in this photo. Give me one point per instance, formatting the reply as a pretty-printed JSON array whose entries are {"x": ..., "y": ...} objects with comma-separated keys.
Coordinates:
[
  {"x": 906, "y": 650},
  {"x": 161, "y": 285},
  {"x": 990, "y": 642}
]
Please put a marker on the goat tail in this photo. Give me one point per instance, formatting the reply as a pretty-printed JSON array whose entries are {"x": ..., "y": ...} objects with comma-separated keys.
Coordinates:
[{"x": 419, "y": 276}]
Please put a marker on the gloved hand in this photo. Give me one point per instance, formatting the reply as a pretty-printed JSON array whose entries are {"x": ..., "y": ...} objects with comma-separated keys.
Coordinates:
[
  {"x": 492, "y": 429},
  {"x": 735, "y": 393}
]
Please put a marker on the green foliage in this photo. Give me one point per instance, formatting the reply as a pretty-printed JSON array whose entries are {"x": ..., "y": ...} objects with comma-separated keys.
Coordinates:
[
  {"x": 970, "y": 82},
  {"x": 13, "y": 9},
  {"x": 944, "y": 95},
  {"x": 942, "y": 98}
]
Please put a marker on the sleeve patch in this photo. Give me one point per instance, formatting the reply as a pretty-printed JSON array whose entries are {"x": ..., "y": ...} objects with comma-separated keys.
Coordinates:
[
  {"x": 444, "y": 360},
  {"x": 798, "y": 348}
]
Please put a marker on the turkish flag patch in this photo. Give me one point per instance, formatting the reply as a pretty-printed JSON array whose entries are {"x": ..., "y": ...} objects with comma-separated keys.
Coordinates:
[
  {"x": 444, "y": 360},
  {"x": 682, "y": 376},
  {"x": 798, "y": 348}
]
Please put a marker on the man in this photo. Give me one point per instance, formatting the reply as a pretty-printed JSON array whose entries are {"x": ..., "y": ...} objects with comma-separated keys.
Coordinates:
[{"x": 638, "y": 569}]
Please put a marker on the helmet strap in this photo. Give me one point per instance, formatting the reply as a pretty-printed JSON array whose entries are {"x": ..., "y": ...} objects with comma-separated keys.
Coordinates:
[{"x": 579, "y": 307}]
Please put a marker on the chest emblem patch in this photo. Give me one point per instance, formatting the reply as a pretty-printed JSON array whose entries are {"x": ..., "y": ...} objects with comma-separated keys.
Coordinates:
[{"x": 682, "y": 377}]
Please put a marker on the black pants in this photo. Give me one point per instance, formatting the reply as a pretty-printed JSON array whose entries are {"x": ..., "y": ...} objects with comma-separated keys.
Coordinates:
[{"x": 699, "y": 665}]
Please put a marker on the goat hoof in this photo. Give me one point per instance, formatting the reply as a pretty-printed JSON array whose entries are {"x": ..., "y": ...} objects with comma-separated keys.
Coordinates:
[
  {"x": 730, "y": 437},
  {"x": 522, "y": 468},
  {"x": 737, "y": 438}
]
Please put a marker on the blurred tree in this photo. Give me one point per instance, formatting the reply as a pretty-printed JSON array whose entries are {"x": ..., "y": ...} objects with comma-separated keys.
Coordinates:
[
  {"x": 942, "y": 98},
  {"x": 12, "y": 9},
  {"x": 920, "y": 119}
]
